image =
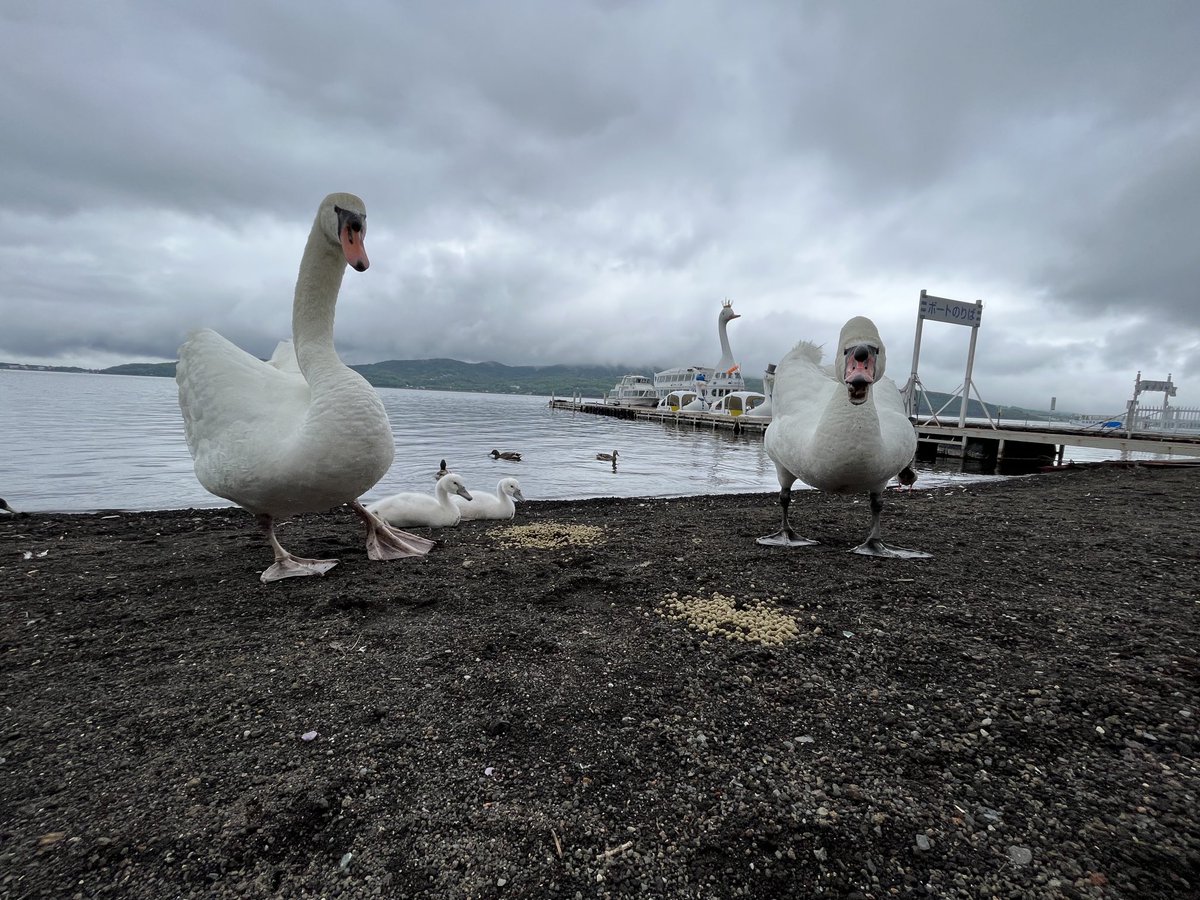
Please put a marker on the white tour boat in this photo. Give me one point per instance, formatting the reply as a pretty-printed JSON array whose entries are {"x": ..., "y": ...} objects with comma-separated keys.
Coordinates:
[{"x": 633, "y": 390}]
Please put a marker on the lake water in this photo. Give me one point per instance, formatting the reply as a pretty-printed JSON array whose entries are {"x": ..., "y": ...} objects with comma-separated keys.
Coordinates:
[{"x": 79, "y": 442}]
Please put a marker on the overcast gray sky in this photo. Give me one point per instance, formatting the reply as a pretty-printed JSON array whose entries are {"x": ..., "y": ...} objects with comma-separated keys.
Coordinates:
[{"x": 584, "y": 182}]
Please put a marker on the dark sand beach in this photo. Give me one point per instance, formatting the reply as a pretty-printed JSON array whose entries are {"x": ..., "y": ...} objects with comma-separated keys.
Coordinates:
[{"x": 620, "y": 698}]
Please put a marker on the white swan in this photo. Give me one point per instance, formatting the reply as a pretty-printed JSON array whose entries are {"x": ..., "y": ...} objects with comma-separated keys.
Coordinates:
[
  {"x": 840, "y": 429},
  {"x": 434, "y": 510},
  {"x": 499, "y": 505},
  {"x": 727, "y": 315},
  {"x": 301, "y": 433}
]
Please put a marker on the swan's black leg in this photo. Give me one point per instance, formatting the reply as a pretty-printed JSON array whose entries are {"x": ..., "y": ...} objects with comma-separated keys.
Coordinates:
[
  {"x": 874, "y": 545},
  {"x": 785, "y": 536}
]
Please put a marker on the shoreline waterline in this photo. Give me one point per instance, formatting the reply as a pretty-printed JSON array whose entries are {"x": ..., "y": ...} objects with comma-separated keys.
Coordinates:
[{"x": 78, "y": 443}]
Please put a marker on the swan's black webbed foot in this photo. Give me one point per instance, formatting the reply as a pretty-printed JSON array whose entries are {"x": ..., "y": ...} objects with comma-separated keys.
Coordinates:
[
  {"x": 785, "y": 538},
  {"x": 876, "y": 547}
]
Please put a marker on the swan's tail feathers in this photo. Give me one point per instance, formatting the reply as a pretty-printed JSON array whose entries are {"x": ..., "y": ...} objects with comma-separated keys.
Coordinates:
[
  {"x": 805, "y": 350},
  {"x": 284, "y": 357},
  {"x": 805, "y": 355},
  {"x": 802, "y": 384}
]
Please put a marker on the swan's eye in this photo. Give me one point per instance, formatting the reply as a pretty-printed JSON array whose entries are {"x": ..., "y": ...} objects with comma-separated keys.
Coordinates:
[{"x": 349, "y": 219}]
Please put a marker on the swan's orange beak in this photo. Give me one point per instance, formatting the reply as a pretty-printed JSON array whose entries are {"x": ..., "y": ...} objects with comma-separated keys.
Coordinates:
[{"x": 352, "y": 246}]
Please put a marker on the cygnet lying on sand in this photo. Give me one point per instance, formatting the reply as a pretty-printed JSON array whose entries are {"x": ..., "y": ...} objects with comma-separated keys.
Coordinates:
[
  {"x": 410, "y": 509},
  {"x": 492, "y": 506}
]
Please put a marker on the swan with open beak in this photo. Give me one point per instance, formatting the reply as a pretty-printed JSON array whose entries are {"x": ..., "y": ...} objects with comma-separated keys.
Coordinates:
[{"x": 841, "y": 429}]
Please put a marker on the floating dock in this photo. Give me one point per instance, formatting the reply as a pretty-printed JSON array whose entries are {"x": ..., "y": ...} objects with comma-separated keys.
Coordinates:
[{"x": 1002, "y": 449}]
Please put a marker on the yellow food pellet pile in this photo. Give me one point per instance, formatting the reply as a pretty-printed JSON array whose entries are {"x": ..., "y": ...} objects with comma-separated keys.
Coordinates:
[
  {"x": 547, "y": 536},
  {"x": 754, "y": 620}
]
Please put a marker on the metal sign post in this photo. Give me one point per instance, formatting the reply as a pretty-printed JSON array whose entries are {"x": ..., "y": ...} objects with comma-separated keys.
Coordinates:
[
  {"x": 1166, "y": 388},
  {"x": 956, "y": 312}
]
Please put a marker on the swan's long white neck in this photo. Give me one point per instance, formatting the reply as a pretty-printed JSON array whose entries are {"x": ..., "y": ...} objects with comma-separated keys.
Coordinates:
[
  {"x": 317, "y": 286},
  {"x": 727, "y": 359},
  {"x": 442, "y": 493}
]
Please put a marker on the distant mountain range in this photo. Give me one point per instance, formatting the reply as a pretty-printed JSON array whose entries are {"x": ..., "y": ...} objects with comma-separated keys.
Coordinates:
[
  {"x": 446, "y": 375},
  {"x": 496, "y": 378}
]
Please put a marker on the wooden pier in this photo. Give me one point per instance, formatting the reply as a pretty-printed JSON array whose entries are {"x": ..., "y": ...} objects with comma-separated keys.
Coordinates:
[
  {"x": 736, "y": 424},
  {"x": 1003, "y": 449}
]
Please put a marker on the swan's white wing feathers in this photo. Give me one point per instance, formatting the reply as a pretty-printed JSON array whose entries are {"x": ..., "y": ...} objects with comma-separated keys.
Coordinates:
[
  {"x": 238, "y": 411},
  {"x": 498, "y": 505},
  {"x": 485, "y": 506},
  {"x": 897, "y": 435}
]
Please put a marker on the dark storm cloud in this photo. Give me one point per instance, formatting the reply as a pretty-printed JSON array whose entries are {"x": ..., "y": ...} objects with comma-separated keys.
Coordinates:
[{"x": 551, "y": 182}]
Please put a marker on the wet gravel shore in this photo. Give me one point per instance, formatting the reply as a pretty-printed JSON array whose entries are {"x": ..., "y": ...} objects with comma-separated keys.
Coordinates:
[{"x": 630, "y": 699}]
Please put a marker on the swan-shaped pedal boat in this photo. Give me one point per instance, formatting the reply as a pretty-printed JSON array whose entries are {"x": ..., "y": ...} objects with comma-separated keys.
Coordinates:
[
  {"x": 436, "y": 510},
  {"x": 840, "y": 429},
  {"x": 500, "y": 505},
  {"x": 301, "y": 432}
]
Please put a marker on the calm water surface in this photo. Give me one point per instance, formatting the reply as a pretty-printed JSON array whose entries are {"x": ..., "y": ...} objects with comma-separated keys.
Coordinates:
[{"x": 76, "y": 442}]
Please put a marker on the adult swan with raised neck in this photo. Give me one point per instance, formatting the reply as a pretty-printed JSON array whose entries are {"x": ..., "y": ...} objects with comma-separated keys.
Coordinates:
[{"x": 302, "y": 432}]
